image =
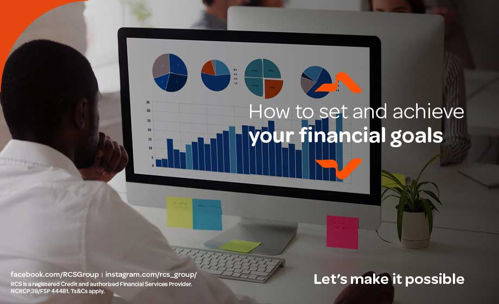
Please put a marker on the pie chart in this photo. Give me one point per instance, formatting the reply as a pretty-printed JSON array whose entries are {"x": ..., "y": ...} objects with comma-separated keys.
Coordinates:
[
  {"x": 263, "y": 78},
  {"x": 312, "y": 78},
  {"x": 215, "y": 75},
  {"x": 169, "y": 72}
]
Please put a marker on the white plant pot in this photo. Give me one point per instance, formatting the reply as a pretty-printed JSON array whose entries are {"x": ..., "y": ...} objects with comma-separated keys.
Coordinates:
[{"x": 415, "y": 231}]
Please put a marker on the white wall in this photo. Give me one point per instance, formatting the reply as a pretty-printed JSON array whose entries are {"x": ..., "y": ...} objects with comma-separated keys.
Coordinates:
[{"x": 64, "y": 24}]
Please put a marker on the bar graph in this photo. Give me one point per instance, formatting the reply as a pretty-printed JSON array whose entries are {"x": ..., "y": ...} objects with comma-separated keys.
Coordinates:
[{"x": 229, "y": 151}]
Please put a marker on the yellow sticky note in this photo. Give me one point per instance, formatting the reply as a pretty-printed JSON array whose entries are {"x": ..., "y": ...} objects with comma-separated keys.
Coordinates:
[
  {"x": 240, "y": 246},
  {"x": 388, "y": 183},
  {"x": 179, "y": 212}
]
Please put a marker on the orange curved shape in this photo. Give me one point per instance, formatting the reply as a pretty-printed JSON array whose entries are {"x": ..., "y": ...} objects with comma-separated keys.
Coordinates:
[
  {"x": 16, "y": 16},
  {"x": 343, "y": 77},
  {"x": 341, "y": 174}
]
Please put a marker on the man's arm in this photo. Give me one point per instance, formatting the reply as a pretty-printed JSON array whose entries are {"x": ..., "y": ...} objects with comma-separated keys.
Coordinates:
[
  {"x": 119, "y": 240},
  {"x": 110, "y": 159}
]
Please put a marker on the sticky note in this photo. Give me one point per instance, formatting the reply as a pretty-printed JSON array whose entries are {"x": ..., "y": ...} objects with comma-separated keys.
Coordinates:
[
  {"x": 240, "y": 246},
  {"x": 179, "y": 212},
  {"x": 207, "y": 214},
  {"x": 342, "y": 232},
  {"x": 388, "y": 183}
]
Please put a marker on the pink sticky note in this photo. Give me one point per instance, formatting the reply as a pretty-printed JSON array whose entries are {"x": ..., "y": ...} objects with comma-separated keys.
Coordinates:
[{"x": 342, "y": 232}]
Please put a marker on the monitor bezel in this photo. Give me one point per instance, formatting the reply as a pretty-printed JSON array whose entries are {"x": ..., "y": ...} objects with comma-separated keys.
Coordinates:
[{"x": 371, "y": 42}]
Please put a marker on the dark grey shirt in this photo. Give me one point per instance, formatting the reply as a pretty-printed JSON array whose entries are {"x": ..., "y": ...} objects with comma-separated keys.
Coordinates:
[{"x": 209, "y": 22}]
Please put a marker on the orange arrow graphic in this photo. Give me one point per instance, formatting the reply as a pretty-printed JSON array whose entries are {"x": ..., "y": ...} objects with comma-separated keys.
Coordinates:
[
  {"x": 343, "y": 77},
  {"x": 16, "y": 16},
  {"x": 341, "y": 174}
]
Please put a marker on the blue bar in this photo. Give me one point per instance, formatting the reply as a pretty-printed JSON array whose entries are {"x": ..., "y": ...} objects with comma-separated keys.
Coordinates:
[
  {"x": 182, "y": 160},
  {"x": 266, "y": 164},
  {"x": 318, "y": 151},
  {"x": 259, "y": 157},
  {"x": 245, "y": 150},
  {"x": 278, "y": 159},
  {"x": 339, "y": 146},
  {"x": 232, "y": 149},
  {"x": 188, "y": 152},
  {"x": 195, "y": 156},
  {"x": 332, "y": 155},
  {"x": 207, "y": 157},
  {"x": 226, "y": 151},
  {"x": 252, "y": 155},
  {"x": 325, "y": 148},
  {"x": 285, "y": 162},
  {"x": 176, "y": 155},
  {"x": 265, "y": 155},
  {"x": 239, "y": 146},
  {"x": 304, "y": 123},
  {"x": 311, "y": 157},
  {"x": 220, "y": 152},
  {"x": 164, "y": 163},
  {"x": 201, "y": 153},
  {"x": 271, "y": 125},
  {"x": 299, "y": 164},
  {"x": 169, "y": 147},
  {"x": 158, "y": 163},
  {"x": 213, "y": 145},
  {"x": 292, "y": 162},
  {"x": 271, "y": 148}
]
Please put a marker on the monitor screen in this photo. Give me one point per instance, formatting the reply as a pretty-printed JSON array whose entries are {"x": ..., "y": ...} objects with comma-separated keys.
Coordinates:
[{"x": 195, "y": 103}]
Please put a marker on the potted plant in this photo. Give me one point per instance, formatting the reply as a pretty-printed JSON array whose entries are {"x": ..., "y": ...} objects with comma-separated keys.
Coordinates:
[{"x": 416, "y": 203}]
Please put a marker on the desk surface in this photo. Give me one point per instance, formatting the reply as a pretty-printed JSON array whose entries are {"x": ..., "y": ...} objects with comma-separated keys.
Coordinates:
[
  {"x": 467, "y": 205},
  {"x": 470, "y": 254}
]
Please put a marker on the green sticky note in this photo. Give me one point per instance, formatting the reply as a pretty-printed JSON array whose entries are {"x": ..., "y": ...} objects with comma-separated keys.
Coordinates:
[
  {"x": 240, "y": 246},
  {"x": 388, "y": 183},
  {"x": 179, "y": 212}
]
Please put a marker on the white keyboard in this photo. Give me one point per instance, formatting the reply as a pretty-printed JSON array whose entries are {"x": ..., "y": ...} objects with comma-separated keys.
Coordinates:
[{"x": 234, "y": 266}]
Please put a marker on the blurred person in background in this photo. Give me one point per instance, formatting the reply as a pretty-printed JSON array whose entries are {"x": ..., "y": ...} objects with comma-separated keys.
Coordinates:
[
  {"x": 214, "y": 17},
  {"x": 267, "y": 3},
  {"x": 457, "y": 142},
  {"x": 455, "y": 38}
]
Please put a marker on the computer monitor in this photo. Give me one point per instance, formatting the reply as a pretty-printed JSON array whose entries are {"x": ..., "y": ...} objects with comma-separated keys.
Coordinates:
[
  {"x": 412, "y": 55},
  {"x": 186, "y": 97}
]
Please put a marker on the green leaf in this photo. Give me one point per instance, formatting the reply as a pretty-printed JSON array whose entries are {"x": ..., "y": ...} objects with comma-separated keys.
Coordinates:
[
  {"x": 431, "y": 183},
  {"x": 426, "y": 166},
  {"x": 393, "y": 178},
  {"x": 433, "y": 196},
  {"x": 428, "y": 213},
  {"x": 391, "y": 195},
  {"x": 384, "y": 192}
]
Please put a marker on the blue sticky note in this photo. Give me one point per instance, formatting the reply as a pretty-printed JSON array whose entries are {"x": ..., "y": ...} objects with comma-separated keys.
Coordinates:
[{"x": 207, "y": 214}]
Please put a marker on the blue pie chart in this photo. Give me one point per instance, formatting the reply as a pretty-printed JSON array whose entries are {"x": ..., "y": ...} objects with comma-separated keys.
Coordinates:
[
  {"x": 312, "y": 78},
  {"x": 215, "y": 75},
  {"x": 169, "y": 72}
]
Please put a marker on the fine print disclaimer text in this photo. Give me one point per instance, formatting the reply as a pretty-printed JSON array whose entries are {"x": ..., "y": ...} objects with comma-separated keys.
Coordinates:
[{"x": 93, "y": 283}]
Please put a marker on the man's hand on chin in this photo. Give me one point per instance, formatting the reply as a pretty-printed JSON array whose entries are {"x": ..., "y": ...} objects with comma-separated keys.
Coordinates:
[{"x": 110, "y": 159}]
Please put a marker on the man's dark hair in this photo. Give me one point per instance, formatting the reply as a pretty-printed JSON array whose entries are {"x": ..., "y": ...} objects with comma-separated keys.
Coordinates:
[
  {"x": 255, "y": 3},
  {"x": 417, "y": 6},
  {"x": 208, "y": 2},
  {"x": 42, "y": 81}
]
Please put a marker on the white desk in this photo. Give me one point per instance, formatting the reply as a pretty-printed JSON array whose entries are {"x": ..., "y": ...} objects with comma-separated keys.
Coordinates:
[{"x": 470, "y": 254}]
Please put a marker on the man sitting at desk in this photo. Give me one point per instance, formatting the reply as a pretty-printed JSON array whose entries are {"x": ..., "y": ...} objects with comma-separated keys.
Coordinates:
[{"x": 57, "y": 214}]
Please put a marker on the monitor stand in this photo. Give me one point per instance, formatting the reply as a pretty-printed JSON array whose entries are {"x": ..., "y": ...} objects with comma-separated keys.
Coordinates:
[{"x": 273, "y": 235}]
